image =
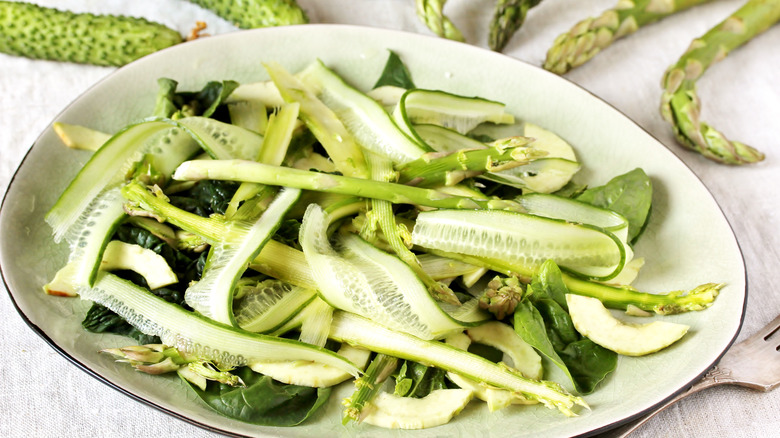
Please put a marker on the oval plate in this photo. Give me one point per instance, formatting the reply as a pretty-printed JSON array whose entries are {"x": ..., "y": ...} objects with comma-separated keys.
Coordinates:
[{"x": 688, "y": 241}]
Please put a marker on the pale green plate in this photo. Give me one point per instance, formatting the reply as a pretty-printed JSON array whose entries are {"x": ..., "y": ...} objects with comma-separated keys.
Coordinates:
[{"x": 688, "y": 242}]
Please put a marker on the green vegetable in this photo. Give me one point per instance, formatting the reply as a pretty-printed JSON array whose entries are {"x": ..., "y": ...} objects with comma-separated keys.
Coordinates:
[
  {"x": 263, "y": 401},
  {"x": 239, "y": 170},
  {"x": 431, "y": 13},
  {"x": 395, "y": 73},
  {"x": 630, "y": 195},
  {"x": 368, "y": 386},
  {"x": 45, "y": 33},
  {"x": 355, "y": 329},
  {"x": 592, "y": 35},
  {"x": 249, "y": 14},
  {"x": 680, "y": 105},
  {"x": 508, "y": 17},
  {"x": 546, "y": 323}
]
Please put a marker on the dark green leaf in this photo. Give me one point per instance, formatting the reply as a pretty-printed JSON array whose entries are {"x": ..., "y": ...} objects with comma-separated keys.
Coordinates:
[
  {"x": 206, "y": 198},
  {"x": 544, "y": 314},
  {"x": 204, "y": 103},
  {"x": 263, "y": 401},
  {"x": 589, "y": 363},
  {"x": 414, "y": 379},
  {"x": 100, "y": 319},
  {"x": 395, "y": 74},
  {"x": 630, "y": 194}
]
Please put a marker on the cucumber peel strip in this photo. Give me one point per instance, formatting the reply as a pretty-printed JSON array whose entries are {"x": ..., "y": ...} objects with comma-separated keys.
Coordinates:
[
  {"x": 367, "y": 281},
  {"x": 199, "y": 336}
]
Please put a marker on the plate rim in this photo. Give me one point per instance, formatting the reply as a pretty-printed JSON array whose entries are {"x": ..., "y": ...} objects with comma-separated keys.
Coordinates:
[{"x": 408, "y": 34}]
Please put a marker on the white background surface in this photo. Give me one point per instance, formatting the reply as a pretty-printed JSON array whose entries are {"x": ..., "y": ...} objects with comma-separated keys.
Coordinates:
[{"x": 42, "y": 394}]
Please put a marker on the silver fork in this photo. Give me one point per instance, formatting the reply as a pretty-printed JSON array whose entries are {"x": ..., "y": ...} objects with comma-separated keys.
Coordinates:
[{"x": 753, "y": 363}]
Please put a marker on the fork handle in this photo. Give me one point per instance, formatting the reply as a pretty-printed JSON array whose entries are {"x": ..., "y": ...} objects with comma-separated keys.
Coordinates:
[{"x": 716, "y": 376}]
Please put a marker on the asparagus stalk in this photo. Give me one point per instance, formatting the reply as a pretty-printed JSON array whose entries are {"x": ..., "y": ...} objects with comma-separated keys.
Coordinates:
[
  {"x": 592, "y": 35},
  {"x": 680, "y": 105},
  {"x": 615, "y": 297},
  {"x": 368, "y": 386},
  {"x": 239, "y": 170},
  {"x": 382, "y": 170},
  {"x": 437, "y": 168},
  {"x": 431, "y": 13},
  {"x": 508, "y": 17}
]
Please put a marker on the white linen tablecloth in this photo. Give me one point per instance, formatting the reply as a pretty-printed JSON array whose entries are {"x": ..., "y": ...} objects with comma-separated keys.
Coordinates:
[{"x": 42, "y": 394}]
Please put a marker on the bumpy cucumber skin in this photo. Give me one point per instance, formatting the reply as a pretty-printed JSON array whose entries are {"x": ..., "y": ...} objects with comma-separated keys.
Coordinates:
[
  {"x": 250, "y": 14},
  {"x": 107, "y": 40}
]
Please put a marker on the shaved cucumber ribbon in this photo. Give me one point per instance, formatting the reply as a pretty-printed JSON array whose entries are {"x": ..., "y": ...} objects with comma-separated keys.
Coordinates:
[{"x": 361, "y": 279}]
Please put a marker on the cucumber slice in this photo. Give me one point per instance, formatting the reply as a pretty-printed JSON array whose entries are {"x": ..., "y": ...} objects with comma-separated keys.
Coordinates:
[
  {"x": 595, "y": 322},
  {"x": 459, "y": 113},
  {"x": 223, "y": 141},
  {"x": 313, "y": 374},
  {"x": 367, "y": 281},
  {"x": 543, "y": 175},
  {"x": 270, "y": 304},
  {"x": 212, "y": 295},
  {"x": 556, "y": 207},
  {"x": 368, "y": 122},
  {"x": 443, "y": 139},
  {"x": 198, "y": 336},
  {"x": 322, "y": 121},
  {"x": 87, "y": 239},
  {"x": 80, "y": 137},
  {"x": 437, "y": 408},
  {"x": 522, "y": 239},
  {"x": 496, "y": 398},
  {"x": 107, "y": 166},
  {"x": 119, "y": 255}
]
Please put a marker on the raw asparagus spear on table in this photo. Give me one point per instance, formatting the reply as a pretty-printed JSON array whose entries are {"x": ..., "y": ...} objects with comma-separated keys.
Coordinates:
[
  {"x": 431, "y": 13},
  {"x": 680, "y": 104},
  {"x": 508, "y": 17},
  {"x": 592, "y": 35}
]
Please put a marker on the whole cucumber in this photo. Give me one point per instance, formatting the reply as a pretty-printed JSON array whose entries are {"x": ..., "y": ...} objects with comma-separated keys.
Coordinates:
[
  {"x": 109, "y": 40},
  {"x": 250, "y": 14}
]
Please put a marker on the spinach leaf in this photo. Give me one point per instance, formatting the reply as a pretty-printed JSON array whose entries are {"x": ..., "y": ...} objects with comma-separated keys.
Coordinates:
[
  {"x": 543, "y": 321},
  {"x": 630, "y": 194},
  {"x": 263, "y": 401},
  {"x": 414, "y": 379},
  {"x": 395, "y": 73},
  {"x": 204, "y": 103},
  {"x": 101, "y": 319},
  {"x": 206, "y": 198}
]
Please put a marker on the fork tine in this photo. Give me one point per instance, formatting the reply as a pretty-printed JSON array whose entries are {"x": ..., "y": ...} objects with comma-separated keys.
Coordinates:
[{"x": 770, "y": 329}]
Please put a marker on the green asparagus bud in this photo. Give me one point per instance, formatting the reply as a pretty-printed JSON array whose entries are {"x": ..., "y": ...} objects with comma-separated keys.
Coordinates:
[
  {"x": 680, "y": 105},
  {"x": 501, "y": 296},
  {"x": 431, "y": 13},
  {"x": 109, "y": 40},
  {"x": 592, "y": 35},
  {"x": 250, "y": 14},
  {"x": 508, "y": 17}
]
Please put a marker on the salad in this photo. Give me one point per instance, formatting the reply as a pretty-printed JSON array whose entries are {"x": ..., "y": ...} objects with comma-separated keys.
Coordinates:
[{"x": 269, "y": 241}]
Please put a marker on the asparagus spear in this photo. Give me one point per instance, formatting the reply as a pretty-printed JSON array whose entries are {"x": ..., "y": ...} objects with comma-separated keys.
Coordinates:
[
  {"x": 590, "y": 36},
  {"x": 238, "y": 170},
  {"x": 680, "y": 104},
  {"x": 508, "y": 17},
  {"x": 430, "y": 12}
]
